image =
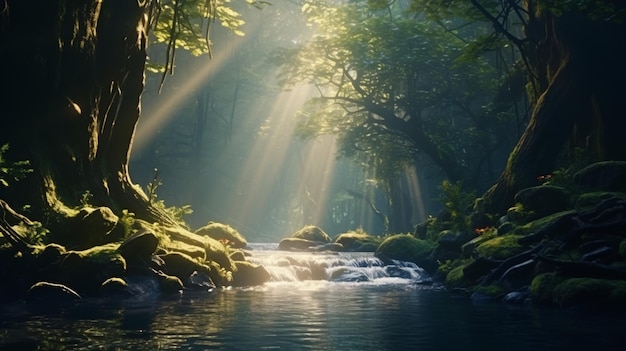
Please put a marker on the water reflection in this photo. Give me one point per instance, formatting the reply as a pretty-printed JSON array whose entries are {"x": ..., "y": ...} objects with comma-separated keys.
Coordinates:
[{"x": 306, "y": 315}]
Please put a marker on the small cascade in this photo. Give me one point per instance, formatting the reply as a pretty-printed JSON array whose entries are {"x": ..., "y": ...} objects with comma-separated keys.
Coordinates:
[{"x": 353, "y": 267}]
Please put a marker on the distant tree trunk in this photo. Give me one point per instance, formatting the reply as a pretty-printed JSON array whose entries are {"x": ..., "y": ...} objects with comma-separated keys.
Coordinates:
[
  {"x": 580, "y": 98},
  {"x": 73, "y": 75}
]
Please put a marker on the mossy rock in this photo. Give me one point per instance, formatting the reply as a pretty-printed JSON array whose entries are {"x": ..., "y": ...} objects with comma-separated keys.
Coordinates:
[
  {"x": 589, "y": 292},
  {"x": 590, "y": 200},
  {"x": 456, "y": 279},
  {"x": 312, "y": 233},
  {"x": 182, "y": 266},
  {"x": 542, "y": 288},
  {"x": 405, "y": 247},
  {"x": 86, "y": 270},
  {"x": 602, "y": 176},
  {"x": 225, "y": 233},
  {"x": 544, "y": 200},
  {"x": 296, "y": 244},
  {"x": 501, "y": 247},
  {"x": 215, "y": 251},
  {"x": 250, "y": 274},
  {"x": 353, "y": 241}
]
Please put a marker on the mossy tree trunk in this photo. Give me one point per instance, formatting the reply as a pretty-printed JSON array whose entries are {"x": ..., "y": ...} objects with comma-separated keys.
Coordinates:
[
  {"x": 579, "y": 98},
  {"x": 73, "y": 75}
]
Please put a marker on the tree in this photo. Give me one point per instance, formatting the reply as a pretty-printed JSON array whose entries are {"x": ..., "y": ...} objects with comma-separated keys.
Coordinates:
[
  {"x": 73, "y": 73},
  {"x": 573, "y": 55},
  {"x": 395, "y": 86}
]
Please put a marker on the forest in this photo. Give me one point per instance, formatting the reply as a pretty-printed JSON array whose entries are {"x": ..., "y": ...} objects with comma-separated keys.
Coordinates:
[{"x": 482, "y": 140}]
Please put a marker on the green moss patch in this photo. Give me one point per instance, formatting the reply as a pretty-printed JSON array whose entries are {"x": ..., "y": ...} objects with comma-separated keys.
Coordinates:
[
  {"x": 405, "y": 247},
  {"x": 588, "y": 292},
  {"x": 501, "y": 247},
  {"x": 353, "y": 241},
  {"x": 224, "y": 233}
]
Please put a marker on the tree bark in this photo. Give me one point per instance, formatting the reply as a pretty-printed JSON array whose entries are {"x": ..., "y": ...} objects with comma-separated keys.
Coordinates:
[
  {"x": 575, "y": 68},
  {"x": 75, "y": 69}
]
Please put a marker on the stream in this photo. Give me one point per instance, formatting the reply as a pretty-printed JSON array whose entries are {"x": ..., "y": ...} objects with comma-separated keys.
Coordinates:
[{"x": 348, "y": 301}]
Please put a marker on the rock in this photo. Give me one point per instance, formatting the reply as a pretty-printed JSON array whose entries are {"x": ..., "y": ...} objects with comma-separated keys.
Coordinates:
[
  {"x": 92, "y": 226},
  {"x": 296, "y": 244},
  {"x": 200, "y": 281},
  {"x": 453, "y": 240},
  {"x": 602, "y": 176},
  {"x": 479, "y": 267},
  {"x": 170, "y": 284},
  {"x": 181, "y": 265},
  {"x": 517, "y": 297},
  {"x": 115, "y": 286},
  {"x": 543, "y": 200},
  {"x": 421, "y": 230},
  {"x": 51, "y": 292},
  {"x": 238, "y": 256},
  {"x": 353, "y": 241},
  {"x": 139, "y": 246},
  {"x": 336, "y": 247},
  {"x": 404, "y": 247},
  {"x": 86, "y": 270},
  {"x": 224, "y": 233},
  {"x": 519, "y": 275},
  {"x": 312, "y": 233},
  {"x": 250, "y": 274}
]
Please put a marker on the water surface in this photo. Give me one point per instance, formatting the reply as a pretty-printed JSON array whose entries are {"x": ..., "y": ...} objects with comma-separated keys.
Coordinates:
[{"x": 364, "y": 311}]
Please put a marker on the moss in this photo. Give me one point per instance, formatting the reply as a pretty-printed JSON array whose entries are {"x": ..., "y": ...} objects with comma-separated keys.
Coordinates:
[
  {"x": 405, "y": 247},
  {"x": 355, "y": 241},
  {"x": 542, "y": 287},
  {"x": 490, "y": 290},
  {"x": 589, "y": 292},
  {"x": 500, "y": 247},
  {"x": 589, "y": 200},
  {"x": 223, "y": 232},
  {"x": 456, "y": 279},
  {"x": 622, "y": 248},
  {"x": 312, "y": 233},
  {"x": 535, "y": 225}
]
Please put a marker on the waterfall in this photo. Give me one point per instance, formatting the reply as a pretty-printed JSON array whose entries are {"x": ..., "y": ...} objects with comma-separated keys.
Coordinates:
[{"x": 353, "y": 267}]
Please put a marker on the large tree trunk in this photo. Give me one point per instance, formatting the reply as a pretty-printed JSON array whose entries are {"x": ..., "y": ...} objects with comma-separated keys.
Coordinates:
[
  {"x": 580, "y": 99},
  {"x": 73, "y": 74}
]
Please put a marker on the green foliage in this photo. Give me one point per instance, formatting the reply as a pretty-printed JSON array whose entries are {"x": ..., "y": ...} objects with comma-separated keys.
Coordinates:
[
  {"x": 456, "y": 202},
  {"x": 175, "y": 212},
  {"x": 389, "y": 85},
  {"x": 12, "y": 170}
]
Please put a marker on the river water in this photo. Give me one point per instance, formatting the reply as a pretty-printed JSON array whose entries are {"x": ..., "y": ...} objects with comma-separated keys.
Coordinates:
[{"x": 361, "y": 305}]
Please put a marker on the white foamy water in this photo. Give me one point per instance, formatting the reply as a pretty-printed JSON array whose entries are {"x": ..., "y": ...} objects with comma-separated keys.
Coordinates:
[{"x": 340, "y": 267}]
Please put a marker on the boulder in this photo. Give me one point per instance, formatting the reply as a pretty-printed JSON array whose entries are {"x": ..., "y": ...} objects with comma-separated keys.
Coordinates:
[
  {"x": 115, "y": 287},
  {"x": 139, "y": 246},
  {"x": 453, "y": 240},
  {"x": 312, "y": 233},
  {"x": 296, "y": 244},
  {"x": 353, "y": 241},
  {"x": 404, "y": 247},
  {"x": 86, "y": 270},
  {"x": 92, "y": 226},
  {"x": 250, "y": 274},
  {"x": 224, "y": 233},
  {"x": 544, "y": 200},
  {"x": 602, "y": 176},
  {"x": 181, "y": 265},
  {"x": 51, "y": 292}
]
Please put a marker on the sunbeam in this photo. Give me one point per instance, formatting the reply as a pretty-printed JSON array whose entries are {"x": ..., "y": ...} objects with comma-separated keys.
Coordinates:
[{"x": 163, "y": 109}]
